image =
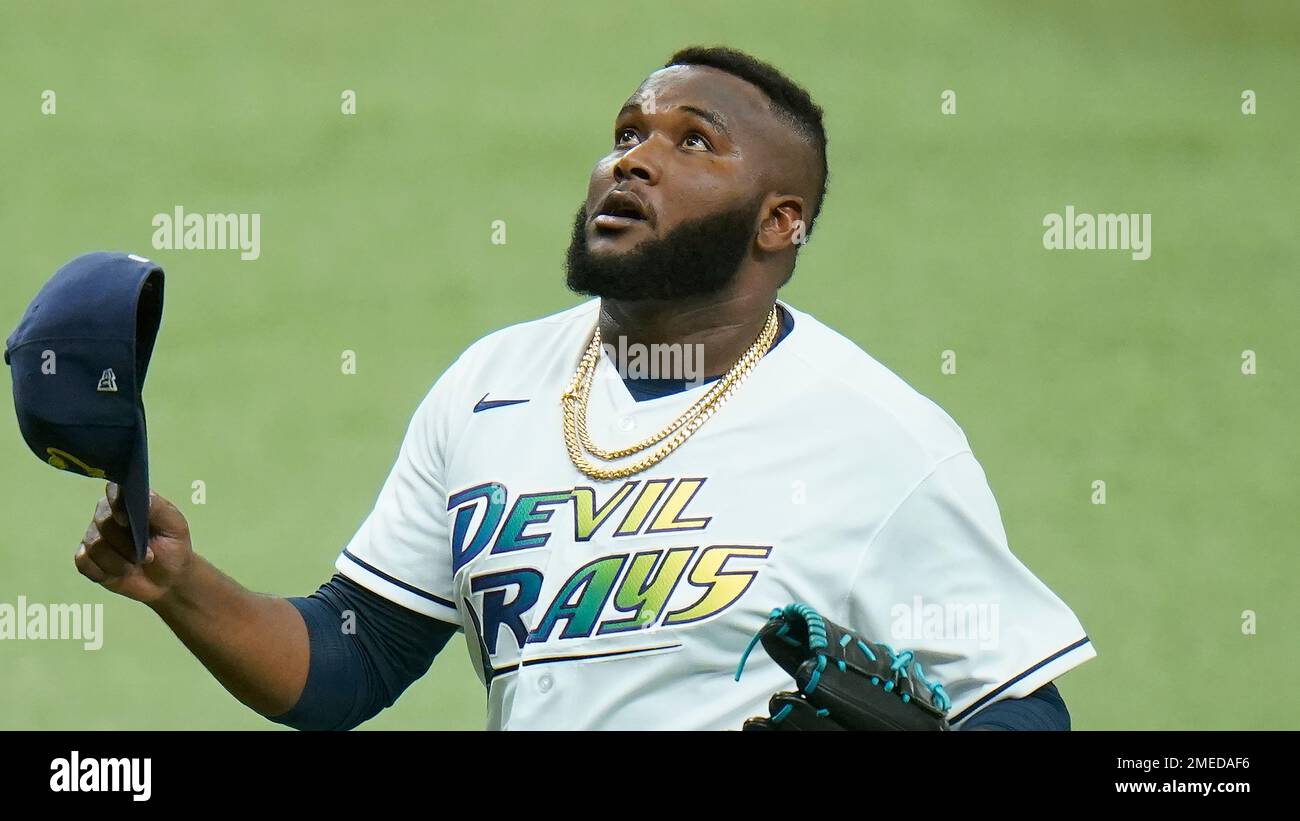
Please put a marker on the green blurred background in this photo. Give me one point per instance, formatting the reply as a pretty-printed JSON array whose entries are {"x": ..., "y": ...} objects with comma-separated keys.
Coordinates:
[{"x": 376, "y": 238}]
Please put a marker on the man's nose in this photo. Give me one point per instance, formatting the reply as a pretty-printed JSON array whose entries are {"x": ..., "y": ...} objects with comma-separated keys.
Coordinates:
[{"x": 637, "y": 163}]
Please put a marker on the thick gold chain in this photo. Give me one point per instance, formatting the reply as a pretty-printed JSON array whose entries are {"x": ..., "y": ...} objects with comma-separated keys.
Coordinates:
[
  {"x": 710, "y": 399},
  {"x": 575, "y": 401}
]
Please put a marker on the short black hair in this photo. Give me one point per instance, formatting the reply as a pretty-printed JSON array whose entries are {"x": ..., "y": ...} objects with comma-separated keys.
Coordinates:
[{"x": 791, "y": 103}]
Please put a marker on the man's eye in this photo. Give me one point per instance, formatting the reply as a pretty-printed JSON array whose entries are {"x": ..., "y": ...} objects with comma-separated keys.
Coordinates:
[
  {"x": 625, "y": 136},
  {"x": 696, "y": 143}
]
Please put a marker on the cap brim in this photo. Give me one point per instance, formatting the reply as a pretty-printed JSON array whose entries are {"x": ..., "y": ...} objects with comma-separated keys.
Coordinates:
[{"x": 135, "y": 492}]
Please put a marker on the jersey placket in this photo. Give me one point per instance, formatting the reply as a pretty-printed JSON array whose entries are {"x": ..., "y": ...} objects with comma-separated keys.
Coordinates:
[{"x": 615, "y": 420}]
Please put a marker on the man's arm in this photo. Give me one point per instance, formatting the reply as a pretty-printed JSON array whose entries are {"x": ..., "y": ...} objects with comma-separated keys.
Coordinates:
[
  {"x": 365, "y": 652},
  {"x": 327, "y": 661},
  {"x": 1043, "y": 709},
  {"x": 255, "y": 645}
]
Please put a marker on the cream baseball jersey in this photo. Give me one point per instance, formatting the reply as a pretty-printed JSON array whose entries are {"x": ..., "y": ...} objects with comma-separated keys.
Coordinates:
[{"x": 627, "y": 604}]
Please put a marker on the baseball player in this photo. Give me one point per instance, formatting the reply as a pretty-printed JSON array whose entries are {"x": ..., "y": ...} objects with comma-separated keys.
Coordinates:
[{"x": 609, "y": 543}]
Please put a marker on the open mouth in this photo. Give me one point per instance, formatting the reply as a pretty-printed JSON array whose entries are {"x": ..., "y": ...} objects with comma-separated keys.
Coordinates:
[{"x": 620, "y": 210}]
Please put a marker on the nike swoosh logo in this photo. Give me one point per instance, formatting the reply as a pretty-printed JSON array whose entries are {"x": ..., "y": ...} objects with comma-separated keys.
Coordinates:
[{"x": 484, "y": 404}]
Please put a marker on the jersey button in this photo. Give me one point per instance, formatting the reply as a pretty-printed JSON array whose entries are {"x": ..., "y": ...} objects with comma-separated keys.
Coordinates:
[
  {"x": 626, "y": 424},
  {"x": 545, "y": 683}
]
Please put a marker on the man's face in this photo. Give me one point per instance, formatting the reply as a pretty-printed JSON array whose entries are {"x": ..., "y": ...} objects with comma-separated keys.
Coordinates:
[{"x": 672, "y": 210}]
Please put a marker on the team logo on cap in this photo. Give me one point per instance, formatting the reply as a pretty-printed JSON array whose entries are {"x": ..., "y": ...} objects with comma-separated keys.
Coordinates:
[
  {"x": 63, "y": 460},
  {"x": 108, "y": 382}
]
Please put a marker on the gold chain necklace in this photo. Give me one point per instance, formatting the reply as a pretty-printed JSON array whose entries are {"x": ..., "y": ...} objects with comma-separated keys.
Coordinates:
[{"x": 575, "y": 400}]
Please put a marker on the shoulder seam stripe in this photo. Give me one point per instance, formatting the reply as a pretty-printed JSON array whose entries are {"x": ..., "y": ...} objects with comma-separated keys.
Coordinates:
[
  {"x": 392, "y": 580},
  {"x": 980, "y": 703}
]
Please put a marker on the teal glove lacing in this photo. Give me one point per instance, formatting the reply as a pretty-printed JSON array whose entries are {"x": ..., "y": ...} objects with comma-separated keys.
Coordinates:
[{"x": 818, "y": 642}]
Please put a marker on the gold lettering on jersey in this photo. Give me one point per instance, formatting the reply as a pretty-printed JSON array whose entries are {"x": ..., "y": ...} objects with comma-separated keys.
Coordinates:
[
  {"x": 479, "y": 520},
  {"x": 650, "y": 493},
  {"x": 722, "y": 587},
  {"x": 669, "y": 519},
  {"x": 641, "y": 589},
  {"x": 587, "y": 517},
  {"x": 611, "y": 593}
]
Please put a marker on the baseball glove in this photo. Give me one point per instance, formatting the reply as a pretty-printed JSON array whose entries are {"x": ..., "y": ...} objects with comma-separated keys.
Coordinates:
[{"x": 844, "y": 681}]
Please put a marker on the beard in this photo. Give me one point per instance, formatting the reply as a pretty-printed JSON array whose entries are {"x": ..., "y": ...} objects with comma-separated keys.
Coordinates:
[{"x": 697, "y": 258}]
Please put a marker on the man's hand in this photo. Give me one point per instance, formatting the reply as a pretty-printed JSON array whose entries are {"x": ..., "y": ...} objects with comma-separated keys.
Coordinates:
[
  {"x": 106, "y": 551},
  {"x": 256, "y": 646}
]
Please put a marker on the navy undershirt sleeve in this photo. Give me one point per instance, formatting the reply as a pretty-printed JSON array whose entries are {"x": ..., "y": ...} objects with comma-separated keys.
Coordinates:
[
  {"x": 365, "y": 651},
  {"x": 1043, "y": 709}
]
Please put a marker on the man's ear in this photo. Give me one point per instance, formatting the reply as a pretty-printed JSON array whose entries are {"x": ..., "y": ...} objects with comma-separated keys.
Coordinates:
[{"x": 782, "y": 226}]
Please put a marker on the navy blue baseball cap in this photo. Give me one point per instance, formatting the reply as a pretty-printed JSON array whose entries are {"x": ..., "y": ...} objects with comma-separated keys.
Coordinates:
[{"x": 78, "y": 360}]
